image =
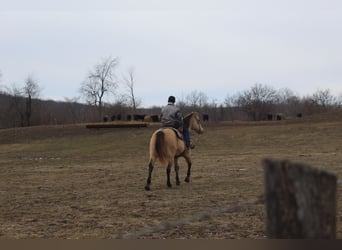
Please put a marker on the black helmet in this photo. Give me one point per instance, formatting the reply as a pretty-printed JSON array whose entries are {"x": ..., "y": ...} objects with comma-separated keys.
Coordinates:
[{"x": 172, "y": 99}]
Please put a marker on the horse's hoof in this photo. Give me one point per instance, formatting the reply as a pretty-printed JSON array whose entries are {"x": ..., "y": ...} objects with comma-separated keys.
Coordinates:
[
  {"x": 187, "y": 179},
  {"x": 147, "y": 188},
  {"x": 169, "y": 185},
  {"x": 178, "y": 183}
]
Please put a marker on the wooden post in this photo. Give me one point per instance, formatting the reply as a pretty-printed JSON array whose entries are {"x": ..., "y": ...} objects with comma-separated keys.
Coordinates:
[{"x": 300, "y": 201}]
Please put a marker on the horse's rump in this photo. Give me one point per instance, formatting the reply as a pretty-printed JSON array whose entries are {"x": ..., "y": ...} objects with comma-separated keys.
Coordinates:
[{"x": 163, "y": 145}]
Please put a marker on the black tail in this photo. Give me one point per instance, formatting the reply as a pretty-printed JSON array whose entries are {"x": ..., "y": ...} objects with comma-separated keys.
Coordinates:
[
  {"x": 159, "y": 142},
  {"x": 160, "y": 146}
]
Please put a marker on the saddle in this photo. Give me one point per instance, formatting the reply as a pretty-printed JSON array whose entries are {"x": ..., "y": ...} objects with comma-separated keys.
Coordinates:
[{"x": 178, "y": 133}]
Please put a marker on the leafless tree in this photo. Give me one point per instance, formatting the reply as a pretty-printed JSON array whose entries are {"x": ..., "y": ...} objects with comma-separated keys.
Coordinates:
[
  {"x": 230, "y": 106},
  {"x": 324, "y": 98},
  {"x": 31, "y": 90},
  {"x": 197, "y": 99},
  {"x": 230, "y": 100},
  {"x": 99, "y": 82},
  {"x": 31, "y": 87},
  {"x": 257, "y": 101},
  {"x": 181, "y": 102},
  {"x": 71, "y": 108},
  {"x": 16, "y": 112},
  {"x": 129, "y": 82},
  {"x": 285, "y": 95},
  {"x": 288, "y": 102}
]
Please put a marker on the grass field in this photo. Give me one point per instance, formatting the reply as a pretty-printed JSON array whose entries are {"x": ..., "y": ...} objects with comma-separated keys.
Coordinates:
[{"x": 72, "y": 182}]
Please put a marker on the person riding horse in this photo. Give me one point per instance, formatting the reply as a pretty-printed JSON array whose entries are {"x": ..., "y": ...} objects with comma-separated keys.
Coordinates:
[{"x": 171, "y": 116}]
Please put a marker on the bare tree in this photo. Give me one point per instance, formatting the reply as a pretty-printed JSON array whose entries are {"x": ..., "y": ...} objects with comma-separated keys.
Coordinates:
[
  {"x": 71, "y": 108},
  {"x": 288, "y": 102},
  {"x": 129, "y": 82},
  {"x": 197, "y": 99},
  {"x": 285, "y": 95},
  {"x": 100, "y": 81},
  {"x": 324, "y": 98},
  {"x": 31, "y": 90},
  {"x": 257, "y": 101},
  {"x": 230, "y": 106},
  {"x": 181, "y": 102},
  {"x": 16, "y": 108},
  {"x": 230, "y": 100},
  {"x": 31, "y": 87}
]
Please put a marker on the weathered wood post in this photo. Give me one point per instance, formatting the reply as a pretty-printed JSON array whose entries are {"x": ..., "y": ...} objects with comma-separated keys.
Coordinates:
[{"x": 300, "y": 201}]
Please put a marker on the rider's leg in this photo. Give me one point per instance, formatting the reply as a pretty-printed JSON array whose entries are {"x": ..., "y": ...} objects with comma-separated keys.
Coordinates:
[{"x": 186, "y": 135}]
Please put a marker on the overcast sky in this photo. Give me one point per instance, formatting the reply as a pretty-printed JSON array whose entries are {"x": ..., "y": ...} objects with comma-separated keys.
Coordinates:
[{"x": 218, "y": 47}]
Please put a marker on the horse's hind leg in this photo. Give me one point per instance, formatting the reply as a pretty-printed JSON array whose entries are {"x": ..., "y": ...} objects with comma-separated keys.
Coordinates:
[
  {"x": 168, "y": 171},
  {"x": 177, "y": 172},
  {"x": 187, "y": 178},
  {"x": 150, "y": 169}
]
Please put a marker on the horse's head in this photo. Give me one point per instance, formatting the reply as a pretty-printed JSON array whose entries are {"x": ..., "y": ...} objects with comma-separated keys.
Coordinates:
[{"x": 194, "y": 121}]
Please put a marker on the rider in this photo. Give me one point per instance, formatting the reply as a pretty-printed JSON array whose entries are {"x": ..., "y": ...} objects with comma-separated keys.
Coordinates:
[{"x": 172, "y": 117}]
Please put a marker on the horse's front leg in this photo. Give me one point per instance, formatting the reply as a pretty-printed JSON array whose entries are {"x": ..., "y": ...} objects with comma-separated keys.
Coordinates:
[
  {"x": 187, "y": 178},
  {"x": 150, "y": 169},
  {"x": 177, "y": 171},
  {"x": 168, "y": 171}
]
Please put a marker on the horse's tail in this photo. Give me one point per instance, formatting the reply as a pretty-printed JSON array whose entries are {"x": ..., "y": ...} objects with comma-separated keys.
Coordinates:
[{"x": 160, "y": 147}]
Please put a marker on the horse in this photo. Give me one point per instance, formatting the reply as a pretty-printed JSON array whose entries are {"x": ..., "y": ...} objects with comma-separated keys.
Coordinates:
[{"x": 167, "y": 147}]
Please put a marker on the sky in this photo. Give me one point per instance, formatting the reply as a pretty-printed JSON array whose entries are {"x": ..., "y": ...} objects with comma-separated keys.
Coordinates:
[{"x": 218, "y": 47}]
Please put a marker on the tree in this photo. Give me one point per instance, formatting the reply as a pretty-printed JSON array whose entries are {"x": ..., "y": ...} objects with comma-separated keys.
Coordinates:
[
  {"x": 31, "y": 90},
  {"x": 257, "y": 101},
  {"x": 129, "y": 82},
  {"x": 71, "y": 108},
  {"x": 16, "y": 107},
  {"x": 100, "y": 81},
  {"x": 197, "y": 99},
  {"x": 324, "y": 98},
  {"x": 288, "y": 102},
  {"x": 181, "y": 102},
  {"x": 230, "y": 105},
  {"x": 231, "y": 100}
]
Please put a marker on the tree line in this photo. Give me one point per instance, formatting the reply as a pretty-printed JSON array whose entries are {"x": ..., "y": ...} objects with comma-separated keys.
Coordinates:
[
  {"x": 261, "y": 101},
  {"x": 21, "y": 106}
]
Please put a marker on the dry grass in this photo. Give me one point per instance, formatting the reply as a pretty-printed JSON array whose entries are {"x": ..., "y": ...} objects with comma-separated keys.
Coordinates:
[{"x": 70, "y": 182}]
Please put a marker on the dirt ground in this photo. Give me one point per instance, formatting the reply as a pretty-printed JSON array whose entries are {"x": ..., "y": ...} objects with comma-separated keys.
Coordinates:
[{"x": 69, "y": 182}]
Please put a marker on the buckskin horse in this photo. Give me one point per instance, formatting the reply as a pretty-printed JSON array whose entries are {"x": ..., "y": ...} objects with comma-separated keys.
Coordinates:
[{"x": 166, "y": 146}]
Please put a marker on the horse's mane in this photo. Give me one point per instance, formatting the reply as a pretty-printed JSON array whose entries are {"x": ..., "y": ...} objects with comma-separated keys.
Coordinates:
[{"x": 186, "y": 118}]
